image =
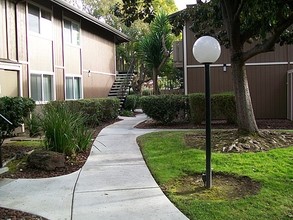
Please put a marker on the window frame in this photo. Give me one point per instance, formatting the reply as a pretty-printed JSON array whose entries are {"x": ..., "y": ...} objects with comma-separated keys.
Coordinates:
[
  {"x": 41, "y": 30},
  {"x": 53, "y": 92},
  {"x": 73, "y": 76},
  {"x": 76, "y": 43}
]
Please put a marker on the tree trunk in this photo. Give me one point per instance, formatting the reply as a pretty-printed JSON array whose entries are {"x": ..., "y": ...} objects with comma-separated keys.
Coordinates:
[
  {"x": 155, "y": 81},
  {"x": 245, "y": 115}
]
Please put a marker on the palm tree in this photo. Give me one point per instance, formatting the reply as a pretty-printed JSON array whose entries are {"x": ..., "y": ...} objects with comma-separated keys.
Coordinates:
[{"x": 155, "y": 47}]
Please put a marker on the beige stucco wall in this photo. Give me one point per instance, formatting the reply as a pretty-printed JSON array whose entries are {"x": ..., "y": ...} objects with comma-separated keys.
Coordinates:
[
  {"x": 97, "y": 53},
  {"x": 98, "y": 56},
  {"x": 40, "y": 54}
]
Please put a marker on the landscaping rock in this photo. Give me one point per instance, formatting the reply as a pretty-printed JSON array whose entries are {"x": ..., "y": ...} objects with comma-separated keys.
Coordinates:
[{"x": 46, "y": 160}]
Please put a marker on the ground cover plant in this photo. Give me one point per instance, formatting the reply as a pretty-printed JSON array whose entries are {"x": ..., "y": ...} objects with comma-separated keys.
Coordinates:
[{"x": 252, "y": 185}]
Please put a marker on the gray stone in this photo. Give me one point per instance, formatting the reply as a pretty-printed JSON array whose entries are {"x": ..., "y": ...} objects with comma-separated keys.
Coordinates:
[{"x": 46, "y": 160}]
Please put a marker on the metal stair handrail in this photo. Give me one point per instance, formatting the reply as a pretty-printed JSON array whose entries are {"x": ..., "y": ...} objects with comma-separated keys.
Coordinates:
[
  {"x": 125, "y": 82},
  {"x": 2, "y": 116},
  {"x": 9, "y": 122}
]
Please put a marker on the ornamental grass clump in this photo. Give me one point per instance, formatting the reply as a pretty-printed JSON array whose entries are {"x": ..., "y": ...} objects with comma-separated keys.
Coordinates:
[{"x": 64, "y": 130}]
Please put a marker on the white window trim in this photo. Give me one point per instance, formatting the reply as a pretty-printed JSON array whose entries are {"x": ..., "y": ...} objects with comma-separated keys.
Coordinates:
[
  {"x": 79, "y": 26},
  {"x": 81, "y": 85},
  {"x": 40, "y": 8},
  {"x": 34, "y": 72}
]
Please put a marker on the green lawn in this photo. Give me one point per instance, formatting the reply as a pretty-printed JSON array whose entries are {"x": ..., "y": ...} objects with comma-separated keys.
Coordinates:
[{"x": 168, "y": 158}]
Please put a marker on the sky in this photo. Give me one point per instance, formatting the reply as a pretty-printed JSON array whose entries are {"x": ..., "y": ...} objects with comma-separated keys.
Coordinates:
[{"x": 181, "y": 4}]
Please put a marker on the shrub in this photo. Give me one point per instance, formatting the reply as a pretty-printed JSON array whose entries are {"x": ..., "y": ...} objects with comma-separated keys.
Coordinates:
[
  {"x": 94, "y": 111},
  {"x": 64, "y": 130},
  {"x": 197, "y": 107},
  {"x": 223, "y": 105},
  {"x": 15, "y": 109},
  {"x": 164, "y": 108},
  {"x": 109, "y": 108},
  {"x": 126, "y": 113},
  {"x": 33, "y": 125},
  {"x": 131, "y": 102},
  {"x": 146, "y": 92}
]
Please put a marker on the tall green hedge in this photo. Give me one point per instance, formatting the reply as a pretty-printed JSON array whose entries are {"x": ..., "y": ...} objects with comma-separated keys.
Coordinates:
[
  {"x": 197, "y": 107},
  {"x": 131, "y": 102},
  {"x": 163, "y": 108},
  {"x": 223, "y": 107},
  {"x": 94, "y": 110}
]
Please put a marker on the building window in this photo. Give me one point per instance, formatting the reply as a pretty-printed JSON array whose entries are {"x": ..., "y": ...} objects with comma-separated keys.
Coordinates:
[
  {"x": 73, "y": 87},
  {"x": 40, "y": 20},
  {"x": 71, "y": 32},
  {"x": 41, "y": 87}
]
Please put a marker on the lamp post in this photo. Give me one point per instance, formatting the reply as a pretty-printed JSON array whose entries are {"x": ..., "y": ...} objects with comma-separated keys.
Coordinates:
[{"x": 207, "y": 50}]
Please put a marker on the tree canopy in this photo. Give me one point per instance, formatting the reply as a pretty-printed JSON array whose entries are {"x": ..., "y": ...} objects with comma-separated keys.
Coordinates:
[
  {"x": 248, "y": 28},
  {"x": 155, "y": 47}
]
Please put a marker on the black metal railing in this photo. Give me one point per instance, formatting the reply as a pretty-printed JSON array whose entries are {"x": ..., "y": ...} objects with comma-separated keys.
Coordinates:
[
  {"x": 9, "y": 122},
  {"x": 122, "y": 83}
]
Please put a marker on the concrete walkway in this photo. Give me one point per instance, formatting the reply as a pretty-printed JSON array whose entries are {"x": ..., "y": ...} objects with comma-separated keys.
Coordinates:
[{"x": 114, "y": 183}]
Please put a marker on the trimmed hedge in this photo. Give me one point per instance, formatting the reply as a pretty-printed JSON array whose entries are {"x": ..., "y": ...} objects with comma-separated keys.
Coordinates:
[
  {"x": 163, "y": 108},
  {"x": 197, "y": 107},
  {"x": 223, "y": 107},
  {"x": 131, "y": 102},
  {"x": 96, "y": 110}
]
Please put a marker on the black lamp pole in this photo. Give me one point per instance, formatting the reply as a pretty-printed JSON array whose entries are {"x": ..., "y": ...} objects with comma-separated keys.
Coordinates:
[
  {"x": 207, "y": 50},
  {"x": 208, "y": 127}
]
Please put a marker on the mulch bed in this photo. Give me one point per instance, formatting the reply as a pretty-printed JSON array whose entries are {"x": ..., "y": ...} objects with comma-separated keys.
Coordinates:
[
  {"x": 217, "y": 124},
  {"x": 71, "y": 166}
]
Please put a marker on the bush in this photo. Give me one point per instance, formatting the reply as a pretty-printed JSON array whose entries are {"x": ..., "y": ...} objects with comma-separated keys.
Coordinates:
[
  {"x": 33, "y": 125},
  {"x": 131, "y": 102},
  {"x": 126, "y": 113},
  {"x": 15, "y": 109},
  {"x": 146, "y": 92},
  {"x": 197, "y": 107},
  {"x": 164, "y": 108},
  {"x": 64, "y": 130},
  {"x": 94, "y": 111},
  {"x": 109, "y": 108},
  {"x": 223, "y": 107}
]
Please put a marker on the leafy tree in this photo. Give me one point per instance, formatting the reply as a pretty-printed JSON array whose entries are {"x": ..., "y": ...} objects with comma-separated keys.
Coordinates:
[
  {"x": 145, "y": 10},
  {"x": 106, "y": 10},
  {"x": 155, "y": 48},
  {"x": 248, "y": 28}
]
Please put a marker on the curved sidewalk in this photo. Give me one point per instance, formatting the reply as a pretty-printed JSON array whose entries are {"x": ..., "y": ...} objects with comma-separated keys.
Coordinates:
[{"x": 114, "y": 183}]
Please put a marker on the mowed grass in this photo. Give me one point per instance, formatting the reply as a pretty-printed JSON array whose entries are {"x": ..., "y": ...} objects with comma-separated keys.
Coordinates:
[{"x": 168, "y": 159}]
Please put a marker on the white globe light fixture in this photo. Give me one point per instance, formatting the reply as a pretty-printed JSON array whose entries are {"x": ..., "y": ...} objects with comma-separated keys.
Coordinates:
[{"x": 207, "y": 50}]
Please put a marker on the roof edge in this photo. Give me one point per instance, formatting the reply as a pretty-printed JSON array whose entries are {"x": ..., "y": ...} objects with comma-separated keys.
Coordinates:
[{"x": 120, "y": 36}]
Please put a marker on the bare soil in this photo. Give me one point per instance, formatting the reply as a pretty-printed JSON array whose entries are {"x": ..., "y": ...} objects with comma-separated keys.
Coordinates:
[{"x": 225, "y": 187}]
